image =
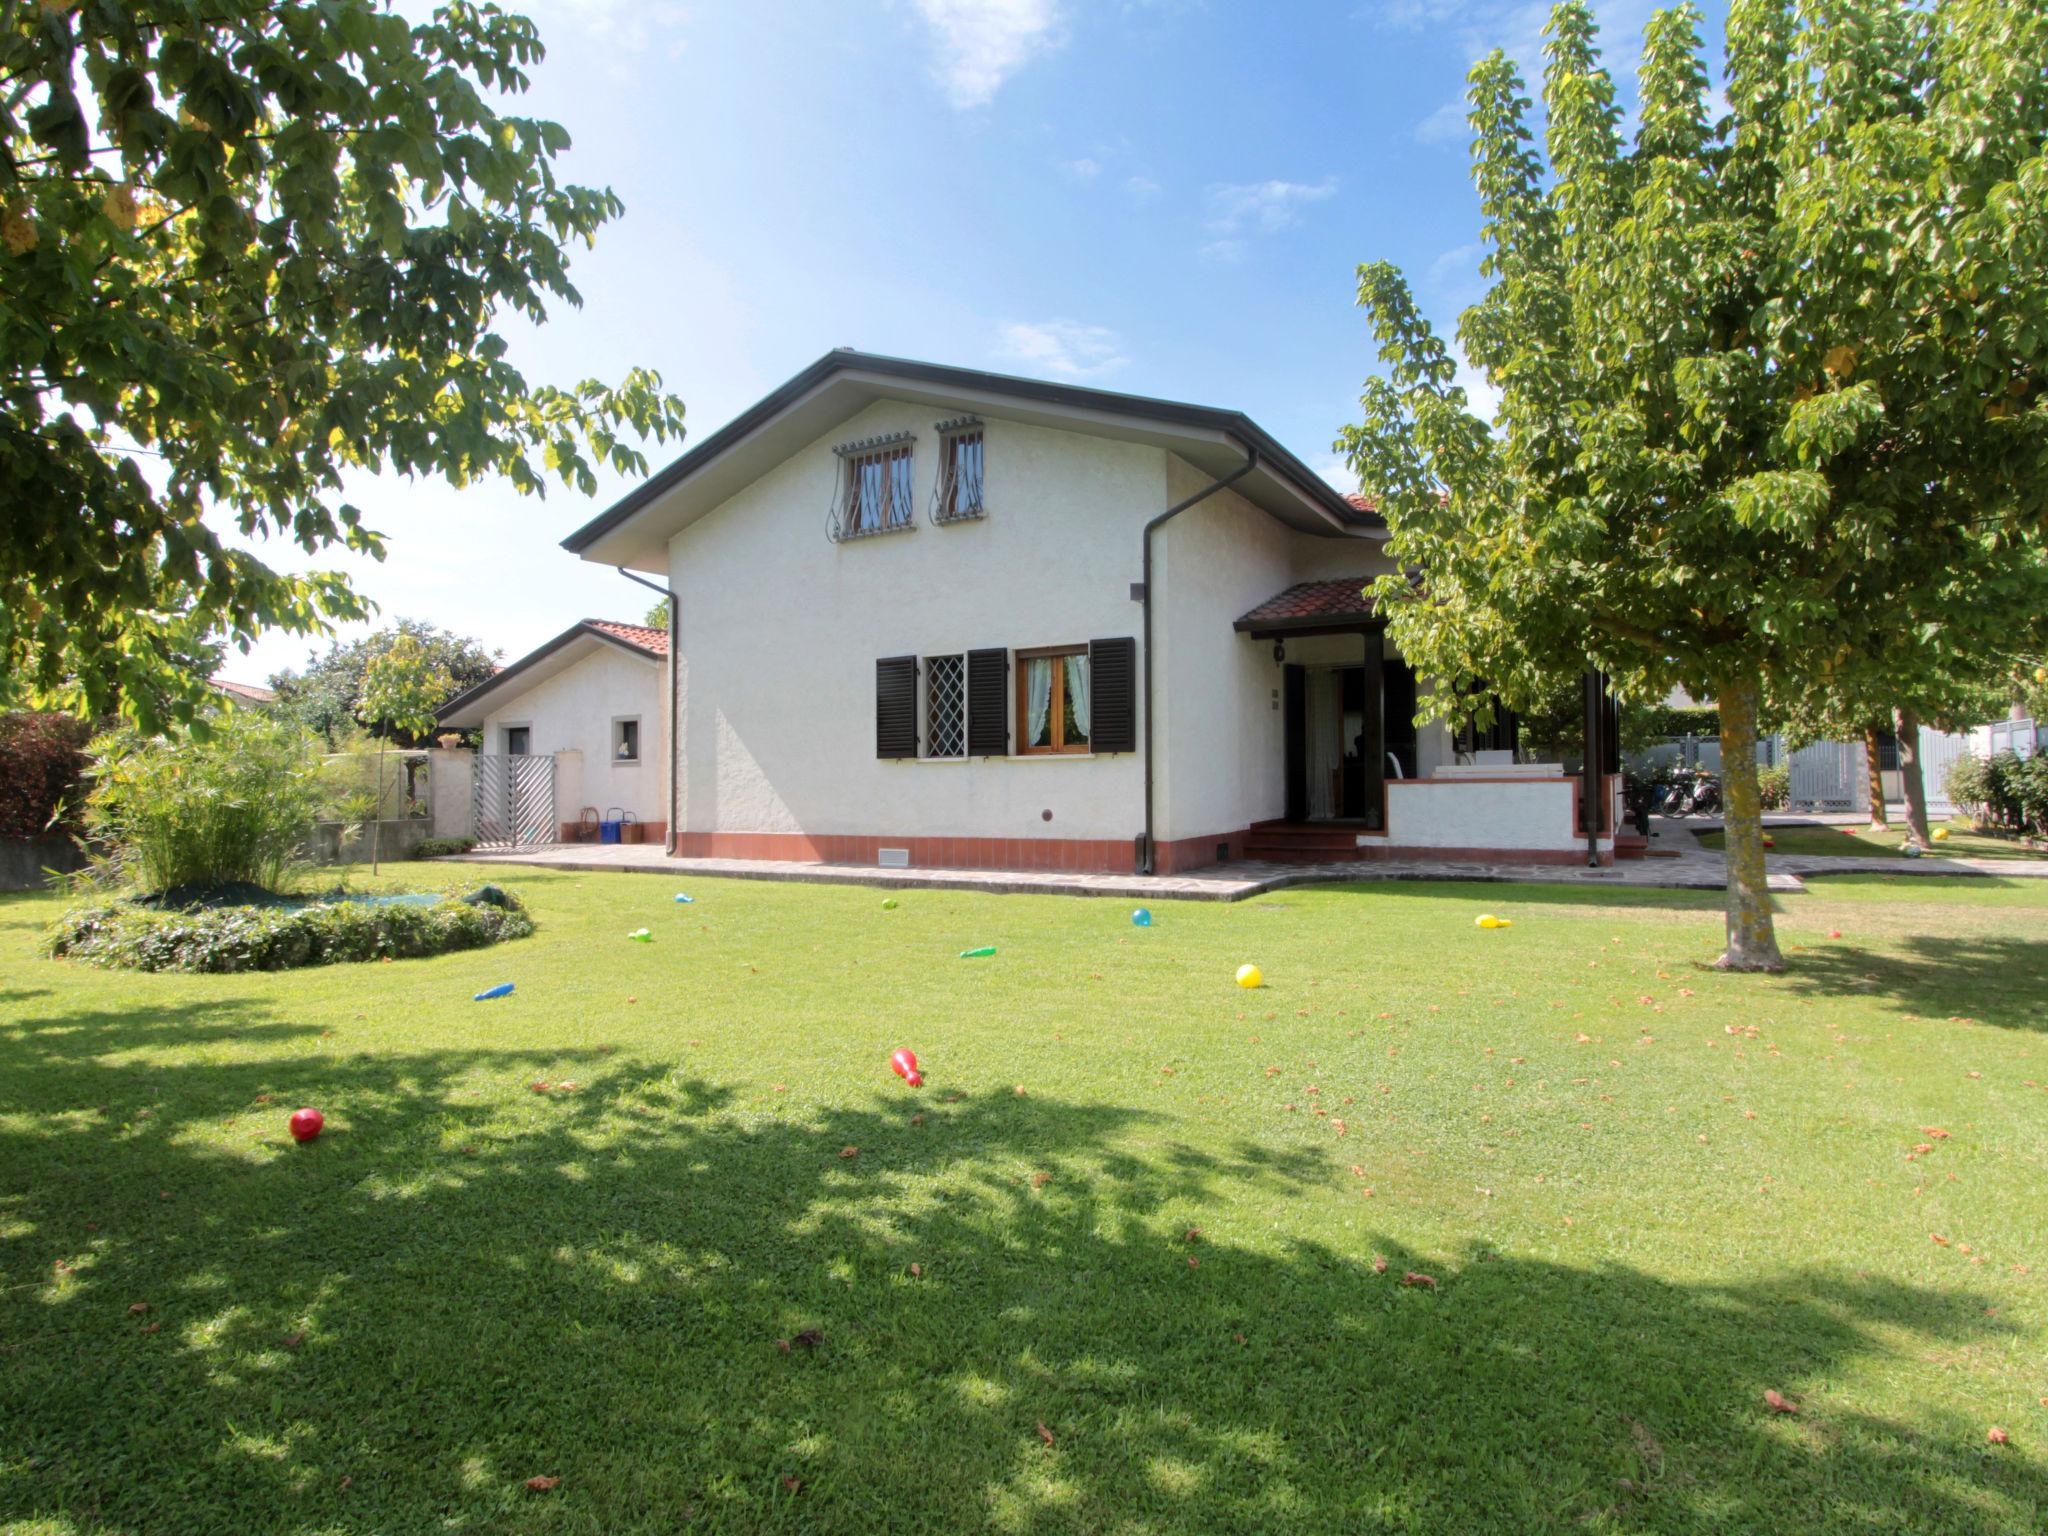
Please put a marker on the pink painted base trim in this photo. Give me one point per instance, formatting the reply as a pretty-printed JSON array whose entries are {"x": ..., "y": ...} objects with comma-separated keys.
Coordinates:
[{"x": 1084, "y": 856}]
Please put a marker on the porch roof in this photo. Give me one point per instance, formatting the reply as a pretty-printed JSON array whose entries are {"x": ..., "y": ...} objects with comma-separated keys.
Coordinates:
[{"x": 1338, "y": 606}]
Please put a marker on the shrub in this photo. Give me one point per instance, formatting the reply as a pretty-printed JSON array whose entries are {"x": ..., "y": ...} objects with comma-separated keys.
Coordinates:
[
  {"x": 232, "y": 806},
  {"x": 442, "y": 847},
  {"x": 2002, "y": 783},
  {"x": 1776, "y": 785},
  {"x": 128, "y": 936},
  {"x": 42, "y": 759},
  {"x": 1967, "y": 785}
]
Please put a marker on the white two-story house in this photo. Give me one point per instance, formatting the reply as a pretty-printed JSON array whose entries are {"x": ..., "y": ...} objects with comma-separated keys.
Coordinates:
[{"x": 926, "y": 615}]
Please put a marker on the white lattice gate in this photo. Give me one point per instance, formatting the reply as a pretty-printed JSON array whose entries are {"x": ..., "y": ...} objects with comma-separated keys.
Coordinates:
[{"x": 515, "y": 801}]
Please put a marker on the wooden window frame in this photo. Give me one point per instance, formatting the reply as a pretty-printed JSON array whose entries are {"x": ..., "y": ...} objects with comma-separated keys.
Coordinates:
[
  {"x": 895, "y": 513},
  {"x": 952, "y": 443},
  {"x": 1059, "y": 748}
]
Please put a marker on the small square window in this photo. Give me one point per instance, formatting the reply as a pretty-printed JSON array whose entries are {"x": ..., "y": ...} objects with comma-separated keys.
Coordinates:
[
  {"x": 626, "y": 739},
  {"x": 945, "y": 708},
  {"x": 959, "y": 490},
  {"x": 875, "y": 497}
]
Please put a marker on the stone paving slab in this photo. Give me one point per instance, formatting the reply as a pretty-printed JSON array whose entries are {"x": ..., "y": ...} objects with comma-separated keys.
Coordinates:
[{"x": 1684, "y": 865}]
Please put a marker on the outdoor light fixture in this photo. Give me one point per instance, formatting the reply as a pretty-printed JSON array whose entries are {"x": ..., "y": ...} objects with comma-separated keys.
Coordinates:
[{"x": 1279, "y": 652}]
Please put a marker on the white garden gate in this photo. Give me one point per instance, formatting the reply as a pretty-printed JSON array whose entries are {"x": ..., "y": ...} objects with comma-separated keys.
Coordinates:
[
  {"x": 515, "y": 800},
  {"x": 1828, "y": 776}
]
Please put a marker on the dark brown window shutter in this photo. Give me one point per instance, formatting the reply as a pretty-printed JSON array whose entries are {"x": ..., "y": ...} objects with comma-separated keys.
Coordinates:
[
  {"x": 988, "y": 703},
  {"x": 1113, "y": 689},
  {"x": 896, "y": 706}
]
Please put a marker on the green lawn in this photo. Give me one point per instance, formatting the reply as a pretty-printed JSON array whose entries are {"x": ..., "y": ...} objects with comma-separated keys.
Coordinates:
[
  {"x": 1826, "y": 841},
  {"x": 1647, "y": 1194}
]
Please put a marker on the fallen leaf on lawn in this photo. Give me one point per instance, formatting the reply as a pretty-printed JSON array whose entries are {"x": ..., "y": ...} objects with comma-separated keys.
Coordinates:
[
  {"x": 1937, "y": 1237},
  {"x": 1239, "y": 1337},
  {"x": 1193, "y": 1262},
  {"x": 918, "y": 1118},
  {"x": 1379, "y": 1265},
  {"x": 1584, "y": 1038},
  {"x": 1018, "y": 1090},
  {"x": 345, "y": 1483},
  {"x": 1935, "y": 1131},
  {"x": 1339, "y": 1124},
  {"x": 541, "y": 1484},
  {"x": 1044, "y": 1433},
  {"x": 917, "y": 1271},
  {"x": 1777, "y": 1402},
  {"x": 137, "y": 1308},
  {"x": 793, "y": 1484},
  {"x": 1997, "y": 1436},
  {"x": 1194, "y": 1234},
  {"x": 1416, "y": 1277},
  {"x": 538, "y": 1087},
  {"x": 849, "y": 1152},
  {"x": 151, "y": 1327},
  {"x": 1040, "y": 1180},
  {"x": 292, "y": 1340}
]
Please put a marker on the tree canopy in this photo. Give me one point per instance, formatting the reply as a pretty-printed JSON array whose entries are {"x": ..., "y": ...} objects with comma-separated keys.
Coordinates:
[
  {"x": 247, "y": 249},
  {"x": 330, "y": 694},
  {"x": 1774, "y": 386}
]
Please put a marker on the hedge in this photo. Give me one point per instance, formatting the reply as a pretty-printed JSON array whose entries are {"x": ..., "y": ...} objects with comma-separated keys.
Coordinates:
[
  {"x": 128, "y": 936},
  {"x": 42, "y": 757}
]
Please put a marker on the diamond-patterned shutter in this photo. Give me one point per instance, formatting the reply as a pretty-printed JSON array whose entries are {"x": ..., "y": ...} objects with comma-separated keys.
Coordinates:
[
  {"x": 1113, "y": 686},
  {"x": 896, "y": 706},
  {"x": 988, "y": 703}
]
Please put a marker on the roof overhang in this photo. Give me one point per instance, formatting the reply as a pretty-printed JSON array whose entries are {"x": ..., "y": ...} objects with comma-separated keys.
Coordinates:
[
  {"x": 635, "y": 531},
  {"x": 577, "y": 643}
]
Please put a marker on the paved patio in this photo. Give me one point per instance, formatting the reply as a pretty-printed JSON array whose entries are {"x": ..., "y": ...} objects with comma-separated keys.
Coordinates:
[{"x": 1682, "y": 864}]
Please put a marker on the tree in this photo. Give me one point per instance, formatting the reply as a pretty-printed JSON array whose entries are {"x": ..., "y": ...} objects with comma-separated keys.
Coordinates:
[
  {"x": 1772, "y": 388},
  {"x": 403, "y": 688},
  {"x": 657, "y": 616},
  {"x": 327, "y": 697},
  {"x": 249, "y": 248}
]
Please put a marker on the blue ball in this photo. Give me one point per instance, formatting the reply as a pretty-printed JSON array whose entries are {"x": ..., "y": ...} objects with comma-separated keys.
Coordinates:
[
  {"x": 1141, "y": 918},
  {"x": 1911, "y": 851}
]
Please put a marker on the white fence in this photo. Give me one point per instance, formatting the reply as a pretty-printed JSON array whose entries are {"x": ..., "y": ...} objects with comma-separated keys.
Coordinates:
[{"x": 1832, "y": 775}]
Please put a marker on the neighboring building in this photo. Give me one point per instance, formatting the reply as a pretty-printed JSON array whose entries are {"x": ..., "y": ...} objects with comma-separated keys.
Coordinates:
[
  {"x": 923, "y": 614},
  {"x": 590, "y": 700},
  {"x": 246, "y": 693}
]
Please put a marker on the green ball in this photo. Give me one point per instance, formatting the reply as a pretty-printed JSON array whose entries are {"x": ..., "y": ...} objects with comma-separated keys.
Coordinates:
[{"x": 888, "y": 903}]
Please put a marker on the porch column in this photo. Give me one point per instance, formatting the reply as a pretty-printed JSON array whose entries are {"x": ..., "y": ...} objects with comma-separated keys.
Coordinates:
[
  {"x": 1595, "y": 758},
  {"x": 1372, "y": 745}
]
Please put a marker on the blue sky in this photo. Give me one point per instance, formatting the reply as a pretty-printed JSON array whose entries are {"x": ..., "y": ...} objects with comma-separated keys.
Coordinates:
[{"x": 1163, "y": 196}]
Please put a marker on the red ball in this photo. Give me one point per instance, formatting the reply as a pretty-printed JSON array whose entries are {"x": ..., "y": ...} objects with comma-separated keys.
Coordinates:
[{"x": 306, "y": 1124}]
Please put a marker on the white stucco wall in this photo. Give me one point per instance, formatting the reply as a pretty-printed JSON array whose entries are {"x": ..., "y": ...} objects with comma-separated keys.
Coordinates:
[
  {"x": 1220, "y": 765},
  {"x": 572, "y": 711},
  {"x": 1535, "y": 815},
  {"x": 780, "y": 630}
]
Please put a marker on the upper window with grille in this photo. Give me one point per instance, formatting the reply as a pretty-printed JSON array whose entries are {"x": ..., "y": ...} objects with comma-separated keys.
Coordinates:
[
  {"x": 874, "y": 488},
  {"x": 945, "y": 707},
  {"x": 958, "y": 495}
]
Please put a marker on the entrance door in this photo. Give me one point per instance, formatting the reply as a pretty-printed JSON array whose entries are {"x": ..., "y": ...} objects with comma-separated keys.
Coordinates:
[
  {"x": 517, "y": 738},
  {"x": 1295, "y": 726}
]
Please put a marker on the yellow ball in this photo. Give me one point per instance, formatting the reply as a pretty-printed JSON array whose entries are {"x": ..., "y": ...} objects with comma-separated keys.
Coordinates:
[
  {"x": 1941, "y": 834},
  {"x": 1487, "y": 920},
  {"x": 1250, "y": 976}
]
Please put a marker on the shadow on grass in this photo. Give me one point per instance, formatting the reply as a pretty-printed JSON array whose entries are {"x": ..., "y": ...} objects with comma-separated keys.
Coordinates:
[
  {"x": 1986, "y": 978},
  {"x": 395, "y": 1327}
]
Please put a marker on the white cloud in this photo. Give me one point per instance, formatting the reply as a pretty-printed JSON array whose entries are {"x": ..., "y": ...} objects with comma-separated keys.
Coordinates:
[
  {"x": 1066, "y": 349},
  {"x": 1481, "y": 398},
  {"x": 1446, "y": 125},
  {"x": 1142, "y": 188},
  {"x": 981, "y": 43},
  {"x": 1475, "y": 27},
  {"x": 1263, "y": 207},
  {"x": 1083, "y": 169}
]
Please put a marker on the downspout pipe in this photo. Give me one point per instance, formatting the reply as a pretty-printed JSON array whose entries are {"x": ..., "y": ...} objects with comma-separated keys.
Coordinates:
[
  {"x": 1147, "y": 861},
  {"x": 675, "y": 615}
]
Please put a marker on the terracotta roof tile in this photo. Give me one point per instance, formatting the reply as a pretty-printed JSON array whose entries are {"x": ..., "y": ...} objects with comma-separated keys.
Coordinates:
[
  {"x": 254, "y": 693},
  {"x": 653, "y": 641},
  {"x": 1340, "y": 598}
]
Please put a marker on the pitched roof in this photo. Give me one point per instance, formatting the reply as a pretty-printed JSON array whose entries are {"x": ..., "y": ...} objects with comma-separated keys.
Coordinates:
[
  {"x": 1309, "y": 604},
  {"x": 636, "y": 639},
  {"x": 250, "y": 692},
  {"x": 652, "y": 641},
  {"x": 843, "y": 381}
]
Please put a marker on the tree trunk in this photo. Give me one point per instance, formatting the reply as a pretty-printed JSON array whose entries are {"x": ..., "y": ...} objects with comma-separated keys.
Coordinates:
[
  {"x": 377, "y": 813},
  {"x": 1873, "y": 767},
  {"x": 1752, "y": 937},
  {"x": 1911, "y": 777}
]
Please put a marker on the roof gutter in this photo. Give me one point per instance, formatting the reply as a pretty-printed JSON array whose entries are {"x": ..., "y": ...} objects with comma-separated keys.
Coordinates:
[
  {"x": 675, "y": 616},
  {"x": 1147, "y": 863}
]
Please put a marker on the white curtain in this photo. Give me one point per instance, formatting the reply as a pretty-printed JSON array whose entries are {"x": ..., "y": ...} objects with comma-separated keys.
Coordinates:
[
  {"x": 1038, "y": 690},
  {"x": 1077, "y": 695},
  {"x": 1325, "y": 745}
]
